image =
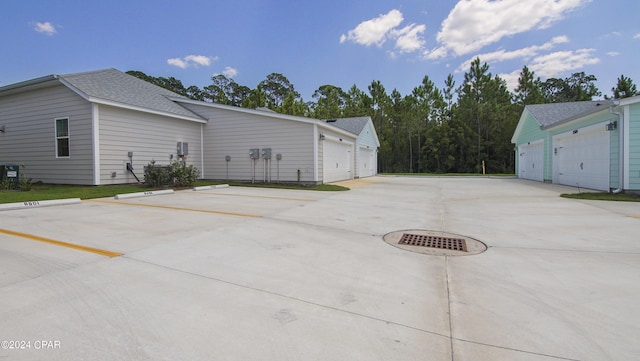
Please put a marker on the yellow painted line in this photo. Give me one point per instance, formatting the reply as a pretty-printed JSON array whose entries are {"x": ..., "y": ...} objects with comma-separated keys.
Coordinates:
[
  {"x": 175, "y": 208},
  {"x": 250, "y": 196},
  {"x": 635, "y": 217},
  {"x": 62, "y": 244}
]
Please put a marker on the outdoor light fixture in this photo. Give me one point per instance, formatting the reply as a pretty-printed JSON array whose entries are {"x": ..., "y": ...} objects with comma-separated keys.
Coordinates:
[
  {"x": 321, "y": 136},
  {"x": 612, "y": 126}
]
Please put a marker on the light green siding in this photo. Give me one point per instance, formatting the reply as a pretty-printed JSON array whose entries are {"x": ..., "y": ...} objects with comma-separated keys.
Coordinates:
[
  {"x": 529, "y": 131},
  {"x": 634, "y": 146},
  {"x": 602, "y": 117}
]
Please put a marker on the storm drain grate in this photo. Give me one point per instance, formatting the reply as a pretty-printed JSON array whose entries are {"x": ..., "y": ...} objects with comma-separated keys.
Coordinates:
[{"x": 454, "y": 244}]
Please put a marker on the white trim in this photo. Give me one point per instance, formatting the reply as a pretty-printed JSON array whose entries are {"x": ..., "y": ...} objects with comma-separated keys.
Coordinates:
[
  {"x": 95, "y": 125},
  {"x": 125, "y": 106},
  {"x": 316, "y": 139},
  {"x": 202, "y": 151},
  {"x": 531, "y": 143},
  {"x": 331, "y": 138},
  {"x": 626, "y": 161},
  {"x": 263, "y": 113},
  {"x": 55, "y": 136},
  {"x": 145, "y": 110}
]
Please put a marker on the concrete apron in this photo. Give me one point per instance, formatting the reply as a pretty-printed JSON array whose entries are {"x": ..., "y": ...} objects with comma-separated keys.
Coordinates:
[{"x": 265, "y": 274}]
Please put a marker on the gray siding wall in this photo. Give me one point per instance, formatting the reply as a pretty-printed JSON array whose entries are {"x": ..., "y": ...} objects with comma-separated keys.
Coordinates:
[
  {"x": 234, "y": 133},
  {"x": 365, "y": 139},
  {"x": 29, "y": 120},
  {"x": 148, "y": 136}
]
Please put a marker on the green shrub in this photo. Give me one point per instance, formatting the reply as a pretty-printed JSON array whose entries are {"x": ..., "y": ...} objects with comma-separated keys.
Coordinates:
[
  {"x": 176, "y": 174},
  {"x": 183, "y": 175},
  {"x": 6, "y": 184},
  {"x": 25, "y": 182}
]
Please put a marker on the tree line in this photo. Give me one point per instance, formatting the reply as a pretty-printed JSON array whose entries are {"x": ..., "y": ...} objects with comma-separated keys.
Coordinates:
[{"x": 453, "y": 129}]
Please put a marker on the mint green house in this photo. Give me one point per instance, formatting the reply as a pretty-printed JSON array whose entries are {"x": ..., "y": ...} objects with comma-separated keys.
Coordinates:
[{"x": 589, "y": 144}]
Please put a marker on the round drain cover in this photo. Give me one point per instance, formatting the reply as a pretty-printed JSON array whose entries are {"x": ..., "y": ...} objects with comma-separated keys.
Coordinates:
[{"x": 435, "y": 243}]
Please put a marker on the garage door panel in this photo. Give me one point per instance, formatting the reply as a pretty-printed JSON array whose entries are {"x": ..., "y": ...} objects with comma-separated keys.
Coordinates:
[
  {"x": 582, "y": 159},
  {"x": 366, "y": 166},
  {"x": 336, "y": 161},
  {"x": 531, "y": 161}
]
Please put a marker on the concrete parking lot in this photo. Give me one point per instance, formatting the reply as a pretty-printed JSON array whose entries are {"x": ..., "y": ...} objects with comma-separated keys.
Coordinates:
[{"x": 272, "y": 274}]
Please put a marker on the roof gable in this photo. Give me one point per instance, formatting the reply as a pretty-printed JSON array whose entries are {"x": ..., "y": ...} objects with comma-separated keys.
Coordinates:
[
  {"x": 114, "y": 86},
  {"x": 352, "y": 125},
  {"x": 553, "y": 114}
]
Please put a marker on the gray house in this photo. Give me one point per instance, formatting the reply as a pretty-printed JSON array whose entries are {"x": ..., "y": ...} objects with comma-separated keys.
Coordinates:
[
  {"x": 103, "y": 127},
  {"x": 367, "y": 144},
  {"x": 591, "y": 144}
]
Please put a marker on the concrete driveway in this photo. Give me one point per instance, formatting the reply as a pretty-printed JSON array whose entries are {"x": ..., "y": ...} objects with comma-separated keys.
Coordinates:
[{"x": 269, "y": 274}]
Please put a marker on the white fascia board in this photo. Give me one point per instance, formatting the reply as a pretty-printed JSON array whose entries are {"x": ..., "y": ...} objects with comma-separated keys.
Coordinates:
[
  {"x": 575, "y": 119},
  {"x": 337, "y": 130},
  {"x": 127, "y": 106},
  {"x": 95, "y": 125},
  {"x": 245, "y": 110},
  {"x": 145, "y": 110},
  {"x": 294, "y": 118},
  {"x": 519, "y": 125},
  {"x": 630, "y": 100}
]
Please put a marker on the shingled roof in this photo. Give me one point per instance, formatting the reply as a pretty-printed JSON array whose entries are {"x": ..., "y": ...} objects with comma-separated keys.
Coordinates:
[
  {"x": 552, "y": 114},
  {"x": 353, "y": 125},
  {"x": 115, "y": 86}
]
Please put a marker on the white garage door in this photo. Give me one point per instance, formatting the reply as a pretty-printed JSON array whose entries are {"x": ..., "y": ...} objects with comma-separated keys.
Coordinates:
[
  {"x": 581, "y": 158},
  {"x": 531, "y": 161},
  {"x": 336, "y": 160},
  {"x": 367, "y": 166}
]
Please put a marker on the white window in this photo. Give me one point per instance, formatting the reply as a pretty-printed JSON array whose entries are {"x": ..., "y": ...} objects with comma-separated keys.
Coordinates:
[{"x": 62, "y": 138}]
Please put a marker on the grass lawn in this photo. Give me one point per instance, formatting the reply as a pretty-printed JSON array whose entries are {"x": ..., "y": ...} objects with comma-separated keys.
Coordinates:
[
  {"x": 603, "y": 196},
  {"x": 43, "y": 192}
]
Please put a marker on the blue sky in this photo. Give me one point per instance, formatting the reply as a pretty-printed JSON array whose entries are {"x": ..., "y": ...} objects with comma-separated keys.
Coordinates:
[{"x": 312, "y": 43}]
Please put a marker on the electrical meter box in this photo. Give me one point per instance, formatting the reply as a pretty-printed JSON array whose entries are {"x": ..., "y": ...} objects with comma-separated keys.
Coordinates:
[
  {"x": 266, "y": 153},
  {"x": 10, "y": 174},
  {"x": 254, "y": 153},
  {"x": 182, "y": 149}
]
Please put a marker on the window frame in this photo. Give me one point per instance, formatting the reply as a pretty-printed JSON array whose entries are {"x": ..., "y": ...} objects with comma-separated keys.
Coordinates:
[{"x": 61, "y": 137}]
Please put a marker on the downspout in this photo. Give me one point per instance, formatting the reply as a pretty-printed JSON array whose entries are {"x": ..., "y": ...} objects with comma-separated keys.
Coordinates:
[
  {"x": 621, "y": 151},
  {"x": 202, "y": 176}
]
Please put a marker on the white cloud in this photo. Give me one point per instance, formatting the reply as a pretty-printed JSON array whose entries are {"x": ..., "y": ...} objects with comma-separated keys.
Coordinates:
[
  {"x": 374, "y": 31},
  {"x": 46, "y": 28},
  {"x": 511, "y": 79},
  {"x": 177, "y": 62},
  {"x": 437, "y": 53},
  {"x": 554, "y": 64},
  {"x": 613, "y": 53},
  {"x": 637, "y": 36},
  {"x": 524, "y": 53},
  {"x": 473, "y": 24},
  {"x": 230, "y": 72},
  {"x": 191, "y": 60},
  {"x": 409, "y": 38}
]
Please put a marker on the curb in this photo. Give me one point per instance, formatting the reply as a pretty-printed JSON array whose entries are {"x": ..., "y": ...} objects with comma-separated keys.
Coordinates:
[
  {"x": 37, "y": 204},
  {"x": 203, "y": 188},
  {"x": 143, "y": 194}
]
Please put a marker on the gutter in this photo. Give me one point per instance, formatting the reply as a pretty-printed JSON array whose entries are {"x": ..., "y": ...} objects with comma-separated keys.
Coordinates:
[{"x": 621, "y": 151}]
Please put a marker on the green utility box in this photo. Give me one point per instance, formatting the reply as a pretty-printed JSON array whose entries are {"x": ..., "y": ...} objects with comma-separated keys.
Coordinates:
[{"x": 10, "y": 175}]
